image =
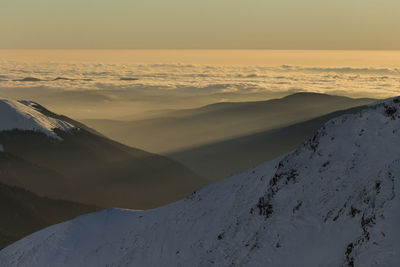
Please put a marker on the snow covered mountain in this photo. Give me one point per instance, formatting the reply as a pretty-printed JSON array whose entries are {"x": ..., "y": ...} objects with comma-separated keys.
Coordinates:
[
  {"x": 23, "y": 115},
  {"x": 52, "y": 155},
  {"x": 332, "y": 202}
]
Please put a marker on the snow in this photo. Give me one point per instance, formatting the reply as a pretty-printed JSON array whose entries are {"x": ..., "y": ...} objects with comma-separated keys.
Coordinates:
[
  {"x": 22, "y": 116},
  {"x": 332, "y": 202}
]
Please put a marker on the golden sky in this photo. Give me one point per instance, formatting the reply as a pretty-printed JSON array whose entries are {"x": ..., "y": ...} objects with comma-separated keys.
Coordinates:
[{"x": 189, "y": 24}]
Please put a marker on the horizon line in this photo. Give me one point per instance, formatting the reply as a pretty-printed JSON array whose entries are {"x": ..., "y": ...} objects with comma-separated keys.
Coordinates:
[{"x": 270, "y": 49}]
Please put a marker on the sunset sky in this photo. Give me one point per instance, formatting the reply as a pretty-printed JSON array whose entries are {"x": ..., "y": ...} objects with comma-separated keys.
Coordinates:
[{"x": 177, "y": 24}]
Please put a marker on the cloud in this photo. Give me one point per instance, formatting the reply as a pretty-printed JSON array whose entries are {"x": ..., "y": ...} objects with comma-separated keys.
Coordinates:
[
  {"x": 28, "y": 79},
  {"x": 157, "y": 86}
]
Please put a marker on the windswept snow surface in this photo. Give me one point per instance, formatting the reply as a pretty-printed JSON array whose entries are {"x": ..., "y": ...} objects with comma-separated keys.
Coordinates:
[
  {"x": 332, "y": 202},
  {"x": 22, "y": 116}
]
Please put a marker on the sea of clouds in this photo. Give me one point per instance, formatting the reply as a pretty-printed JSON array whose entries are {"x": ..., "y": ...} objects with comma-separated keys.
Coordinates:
[{"x": 159, "y": 86}]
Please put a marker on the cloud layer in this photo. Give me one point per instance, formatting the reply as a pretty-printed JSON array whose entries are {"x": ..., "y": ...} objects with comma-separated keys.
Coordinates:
[{"x": 141, "y": 87}]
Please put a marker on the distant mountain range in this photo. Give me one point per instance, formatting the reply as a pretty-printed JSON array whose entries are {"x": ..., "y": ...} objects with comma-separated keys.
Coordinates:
[
  {"x": 225, "y": 158},
  {"x": 334, "y": 201},
  {"x": 176, "y": 130},
  {"x": 54, "y": 156},
  {"x": 221, "y": 139}
]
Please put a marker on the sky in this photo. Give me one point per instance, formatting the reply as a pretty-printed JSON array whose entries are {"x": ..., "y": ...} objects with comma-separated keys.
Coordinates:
[{"x": 206, "y": 24}]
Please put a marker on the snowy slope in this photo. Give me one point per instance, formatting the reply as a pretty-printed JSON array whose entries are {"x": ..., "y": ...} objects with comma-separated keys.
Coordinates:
[
  {"x": 22, "y": 115},
  {"x": 332, "y": 202}
]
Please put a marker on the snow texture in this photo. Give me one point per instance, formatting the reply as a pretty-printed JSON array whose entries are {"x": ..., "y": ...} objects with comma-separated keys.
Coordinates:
[
  {"x": 21, "y": 115},
  {"x": 332, "y": 202}
]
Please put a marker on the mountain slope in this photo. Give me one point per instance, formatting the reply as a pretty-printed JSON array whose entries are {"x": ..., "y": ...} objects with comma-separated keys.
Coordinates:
[
  {"x": 20, "y": 115},
  {"x": 79, "y": 165},
  {"x": 332, "y": 202},
  {"x": 222, "y": 159},
  {"x": 183, "y": 129},
  {"x": 23, "y": 213}
]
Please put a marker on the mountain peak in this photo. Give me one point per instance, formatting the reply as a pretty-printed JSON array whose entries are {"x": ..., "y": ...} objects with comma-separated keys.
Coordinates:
[{"x": 21, "y": 115}]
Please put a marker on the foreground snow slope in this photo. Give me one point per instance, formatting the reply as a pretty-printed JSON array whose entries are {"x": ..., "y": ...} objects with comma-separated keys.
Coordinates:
[
  {"x": 22, "y": 115},
  {"x": 332, "y": 202}
]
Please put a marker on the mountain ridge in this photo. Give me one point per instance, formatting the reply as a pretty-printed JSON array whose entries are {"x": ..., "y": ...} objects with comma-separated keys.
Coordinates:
[
  {"x": 178, "y": 130},
  {"x": 331, "y": 202},
  {"x": 220, "y": 159},
  {"x": 78, "y": 164},
  {"x": 21, "y": 115}
]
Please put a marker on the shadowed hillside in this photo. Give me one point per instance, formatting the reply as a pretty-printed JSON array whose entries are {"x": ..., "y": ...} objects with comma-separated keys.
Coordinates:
[
  {"x": 23, "y": 213},
  {"x": 80, "y": 165}
]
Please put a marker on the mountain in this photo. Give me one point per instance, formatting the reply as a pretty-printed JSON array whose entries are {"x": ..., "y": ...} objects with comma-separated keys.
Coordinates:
[
  {"x": 22, "y": 116},
  {"x": 23, "y": 213},
  {"x": 222, "y": 159},
  {"x": 178, "y": 130},
  {"x": 334, "y": 201},
  {"x": 54, "y": 156}
]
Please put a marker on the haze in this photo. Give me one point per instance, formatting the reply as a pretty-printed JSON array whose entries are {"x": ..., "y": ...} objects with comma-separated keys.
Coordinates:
[
  {"x": 126, "y": 84},
  {"x": 273, "y": 24}
]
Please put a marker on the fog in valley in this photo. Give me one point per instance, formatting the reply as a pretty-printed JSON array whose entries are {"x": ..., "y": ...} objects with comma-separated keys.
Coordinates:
[{"x": 188, "y": 104}]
